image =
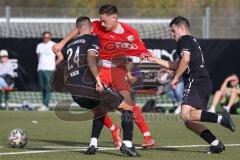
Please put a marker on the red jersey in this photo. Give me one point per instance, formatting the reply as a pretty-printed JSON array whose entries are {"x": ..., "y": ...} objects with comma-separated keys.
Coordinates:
[{"x": 114, "y": 45}]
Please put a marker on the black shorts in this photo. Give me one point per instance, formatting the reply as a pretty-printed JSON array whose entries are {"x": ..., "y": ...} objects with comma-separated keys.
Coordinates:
[
  {"x": 108, "y": 99},
  {"x": 86, "y": 102},
  {"x": 197, "y": 92}
]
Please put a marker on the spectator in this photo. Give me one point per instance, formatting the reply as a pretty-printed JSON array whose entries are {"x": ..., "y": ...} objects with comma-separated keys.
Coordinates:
[
  {"x": 165, "y": 77},
  {"x": 228, "y": 90},
  {"x": 6, "y": 71},
  {"x": 47, "y": 62}
]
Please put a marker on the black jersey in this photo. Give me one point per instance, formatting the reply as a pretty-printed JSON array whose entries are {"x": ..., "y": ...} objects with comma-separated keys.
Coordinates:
[
  {"x": 196, "y": 67},
  {"x": 76, "y": 66}
]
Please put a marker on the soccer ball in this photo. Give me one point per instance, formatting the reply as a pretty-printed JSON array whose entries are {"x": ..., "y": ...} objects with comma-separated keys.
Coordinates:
[{"x": 17, "y": 138}]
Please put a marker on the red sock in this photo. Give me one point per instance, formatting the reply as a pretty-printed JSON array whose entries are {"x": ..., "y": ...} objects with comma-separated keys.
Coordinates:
[
  {"x": 107, "y": 121},
  {"x": 139, "y": 119}
]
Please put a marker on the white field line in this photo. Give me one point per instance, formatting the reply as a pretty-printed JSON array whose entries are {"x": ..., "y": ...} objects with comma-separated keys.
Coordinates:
[
  {"x": 111, "y": 148},
  {"x": 53, "y": 149},
  {"x": 32, "y": 152}
]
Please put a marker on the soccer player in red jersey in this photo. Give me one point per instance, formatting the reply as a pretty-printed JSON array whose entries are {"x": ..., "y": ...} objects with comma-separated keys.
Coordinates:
[{"x": 117, "y": 41}]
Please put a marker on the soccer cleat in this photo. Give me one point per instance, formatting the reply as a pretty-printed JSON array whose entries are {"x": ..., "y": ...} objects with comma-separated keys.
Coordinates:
[
  {"x": 227, "y": 121},
  {"x": 148, "y": 142},
  {"x": 130, "y": 151},
  {"x": 91, "y": 150},
  {"x": 216, "y": 149},
  {"x": 116, "y": 137}
]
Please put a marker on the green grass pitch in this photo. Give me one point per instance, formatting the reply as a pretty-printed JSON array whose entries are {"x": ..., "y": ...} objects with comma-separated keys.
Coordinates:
[{"x": 54, "y": 139}]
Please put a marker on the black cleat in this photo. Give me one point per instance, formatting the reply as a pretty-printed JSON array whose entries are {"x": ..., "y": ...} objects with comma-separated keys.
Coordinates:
[
  {"x": 227, "y": 121},
  {"x": 216, "y": 149},
  {"x": 130, "y": 151},
  {"x": 91, "y": 150}
]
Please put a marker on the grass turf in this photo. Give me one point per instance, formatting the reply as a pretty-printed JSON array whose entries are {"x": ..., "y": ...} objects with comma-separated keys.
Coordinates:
[{"x": 50, "y": 132}]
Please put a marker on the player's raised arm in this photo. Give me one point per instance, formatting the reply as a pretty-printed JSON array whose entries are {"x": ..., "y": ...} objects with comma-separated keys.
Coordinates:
[{"x": 58, "y": 46}]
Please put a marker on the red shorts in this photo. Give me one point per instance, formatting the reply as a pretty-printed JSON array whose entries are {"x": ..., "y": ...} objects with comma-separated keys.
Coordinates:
[{"x": 114, "y": 77}]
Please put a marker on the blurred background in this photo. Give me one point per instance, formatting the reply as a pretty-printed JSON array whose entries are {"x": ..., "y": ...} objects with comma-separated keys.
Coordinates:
[
  {"x": 209, "y": 18},
  {"x": 214, "y": 22}
]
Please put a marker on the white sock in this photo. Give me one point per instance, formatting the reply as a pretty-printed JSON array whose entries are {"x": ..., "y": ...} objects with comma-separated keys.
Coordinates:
[
  {"x": 93, "y": 142},
  {"x": 219, "y": 119},
  {"x": 227, "y": 108},
  {"x": 215, "y": 142},
  {"x": 112, "y": 127},
  {"x": 146, "y": 134},
  {"x": 212, "y": 110},
  {"x": 128, "y": 143}
]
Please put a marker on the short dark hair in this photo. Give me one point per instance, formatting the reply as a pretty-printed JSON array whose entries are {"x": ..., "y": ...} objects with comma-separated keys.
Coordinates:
[
  {"x": 179, "y": 20},
  {"x": 82, "y": 21},
  {"x": 46, "y": 32},
  {"x": 108, "y": 9}
]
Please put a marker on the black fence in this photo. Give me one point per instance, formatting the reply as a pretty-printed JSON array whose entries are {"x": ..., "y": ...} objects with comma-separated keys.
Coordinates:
[{"x": 222, "y": 58}]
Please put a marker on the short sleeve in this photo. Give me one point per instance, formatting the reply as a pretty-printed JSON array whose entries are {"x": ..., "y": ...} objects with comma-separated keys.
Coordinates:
[
  {"x": 184, "y": 44},
  {"x": 94, "y": 45}
]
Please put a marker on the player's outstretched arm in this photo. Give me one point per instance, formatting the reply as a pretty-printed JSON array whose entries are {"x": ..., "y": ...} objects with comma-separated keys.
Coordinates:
[
  {"x": 58, "y": 46},
  {"x": 167, "y": 64}
]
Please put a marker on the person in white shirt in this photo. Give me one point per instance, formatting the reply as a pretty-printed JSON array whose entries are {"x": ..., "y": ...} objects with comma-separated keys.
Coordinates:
[
  {"x": 6, "y": 71},
  {"x": 47, "y": 61}
]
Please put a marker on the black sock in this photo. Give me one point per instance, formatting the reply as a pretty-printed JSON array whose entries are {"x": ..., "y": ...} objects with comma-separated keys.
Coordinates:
[
  {"x": 208, "y": 136},
  {"x": 127, "y": 125},
  {"x": 97, "y": 126},
  {"x": 209, "y": 117}
]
